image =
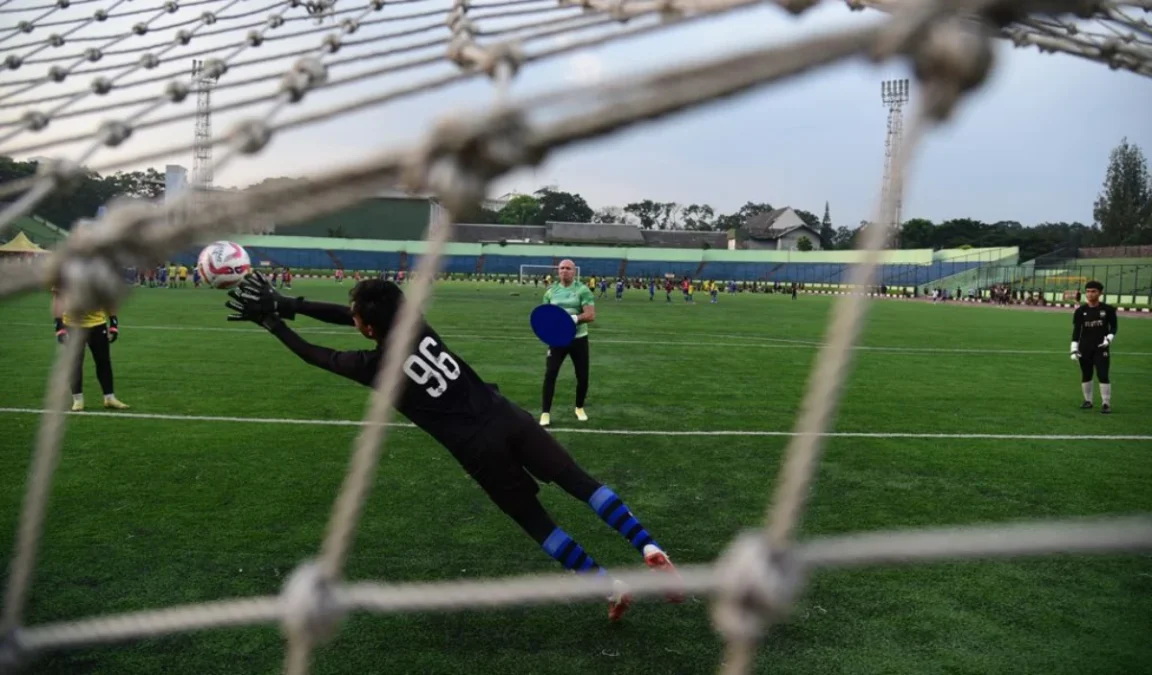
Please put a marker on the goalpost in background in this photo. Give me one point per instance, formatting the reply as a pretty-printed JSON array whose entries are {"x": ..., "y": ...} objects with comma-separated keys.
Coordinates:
[{"x": 529, "y": 271}]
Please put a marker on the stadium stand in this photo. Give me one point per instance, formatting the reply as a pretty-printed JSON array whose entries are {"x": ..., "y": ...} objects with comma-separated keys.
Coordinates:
[
  {"x": 494, "y": 234},
  {"x": 683, "y": 239},
  {"x": 611, "y": 234},
  {"x": 901, "y": 267},
  {"x": 40, "y": 231}
]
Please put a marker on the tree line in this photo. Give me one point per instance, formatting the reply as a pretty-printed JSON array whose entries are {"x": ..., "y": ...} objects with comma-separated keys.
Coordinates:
[
  {"x": 549, "y": 204},
  {"x": 84, "y": 197},
  {"x": 1122, "y": 212}
]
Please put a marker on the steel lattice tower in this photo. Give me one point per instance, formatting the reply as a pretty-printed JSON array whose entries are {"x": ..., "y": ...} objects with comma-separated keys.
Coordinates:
[
  {"x": 202, "y": 146},
  {"x": 894, "y": 94}
]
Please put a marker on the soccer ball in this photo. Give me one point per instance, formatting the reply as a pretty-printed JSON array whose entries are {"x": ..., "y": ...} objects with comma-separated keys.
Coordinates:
[{"x": 223, "y": 264}]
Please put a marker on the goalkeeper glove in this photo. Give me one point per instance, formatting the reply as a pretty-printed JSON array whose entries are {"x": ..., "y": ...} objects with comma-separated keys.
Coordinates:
[
  {"x": 1075, "y": 351},
  {"x": 256, "y": 283},
  {"x": 257, "y": 307},
  {"x": 113, "y": 329},
  {"x": 576, "y": 318},
  {"x": 1107, "y": 340},
  {"x": 61, "y": 331}
]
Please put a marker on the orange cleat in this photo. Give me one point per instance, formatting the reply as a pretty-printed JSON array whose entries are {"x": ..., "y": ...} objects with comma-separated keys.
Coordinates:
[
  {"x": 619, "y": 601},
  {"x": 658, "y": 560}
]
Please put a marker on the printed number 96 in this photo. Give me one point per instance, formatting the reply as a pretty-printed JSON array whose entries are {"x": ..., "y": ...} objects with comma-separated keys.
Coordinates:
[{"x": 426, "y": 367}]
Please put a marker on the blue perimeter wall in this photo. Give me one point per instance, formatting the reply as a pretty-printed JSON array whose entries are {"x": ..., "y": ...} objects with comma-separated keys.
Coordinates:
[{"x": 902, "y": 268}]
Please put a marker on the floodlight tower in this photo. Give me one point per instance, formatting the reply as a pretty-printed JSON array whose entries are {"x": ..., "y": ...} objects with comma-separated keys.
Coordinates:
[
  {"x": 202, "y": 145},
  {"x": 894, "y": 94}
]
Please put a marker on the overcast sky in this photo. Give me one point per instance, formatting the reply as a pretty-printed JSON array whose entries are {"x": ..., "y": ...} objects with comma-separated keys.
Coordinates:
[{"x": 1032, "y": 145}]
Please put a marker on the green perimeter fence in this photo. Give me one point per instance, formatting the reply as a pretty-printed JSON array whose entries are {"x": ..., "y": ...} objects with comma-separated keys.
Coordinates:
[{"x": 1126, "y": 281}]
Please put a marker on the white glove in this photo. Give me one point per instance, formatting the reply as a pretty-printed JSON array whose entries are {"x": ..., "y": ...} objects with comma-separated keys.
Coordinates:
[
  {"x": 1075, "y": 351},
  {"x": 575, "y": 318},
  {"x": 1107, "y": 340}
]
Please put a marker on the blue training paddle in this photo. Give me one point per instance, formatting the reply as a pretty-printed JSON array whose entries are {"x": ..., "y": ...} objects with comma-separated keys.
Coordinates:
[{"x": 553, "y": 325}]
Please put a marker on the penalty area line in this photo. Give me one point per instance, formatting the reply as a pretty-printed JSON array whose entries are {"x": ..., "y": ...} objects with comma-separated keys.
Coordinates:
[{"x": 601, "y": 432}]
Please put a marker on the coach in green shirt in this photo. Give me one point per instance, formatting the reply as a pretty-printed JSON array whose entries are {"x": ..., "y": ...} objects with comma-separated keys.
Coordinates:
[{"x": 576, "y": 298}]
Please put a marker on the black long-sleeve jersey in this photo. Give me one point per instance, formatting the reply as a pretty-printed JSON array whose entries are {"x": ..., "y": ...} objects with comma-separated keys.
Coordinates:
[
  {"x": 1091, "y": 324},
  {"x": 440, "y": 393}
]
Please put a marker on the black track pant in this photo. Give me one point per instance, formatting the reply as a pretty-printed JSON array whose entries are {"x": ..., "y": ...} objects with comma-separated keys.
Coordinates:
[
  {"x": 101, "y": 354},
  {"x": 531, "y": 515},
  {"x": 578, "y": 350},
  {"x": 1097, "y": 360},
  {"x": 508, "y": 459}
]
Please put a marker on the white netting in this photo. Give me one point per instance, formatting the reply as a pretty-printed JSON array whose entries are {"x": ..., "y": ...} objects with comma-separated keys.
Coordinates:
[{"x": 62, "y": 59}]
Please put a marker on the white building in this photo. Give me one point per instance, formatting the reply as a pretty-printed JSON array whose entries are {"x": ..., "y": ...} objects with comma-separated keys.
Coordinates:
[{"x": 778, "y": 230}]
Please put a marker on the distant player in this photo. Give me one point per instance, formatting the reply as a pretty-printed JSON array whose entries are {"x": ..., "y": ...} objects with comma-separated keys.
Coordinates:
[
  {"x": 577, "y": 300},
  {"x": 103, "y": 329},
  {"x": 668, "y": 286},
  {"x": 686, "y": 289},
  {"x": 1093, "y": 330},
  {"x": 619, "y": 289},
  {"x": 196, "y": 276},
  {"x": 651, "y": 289},
  {"x": 714, "y": 291},
  {"x": 495, "y": 441}
]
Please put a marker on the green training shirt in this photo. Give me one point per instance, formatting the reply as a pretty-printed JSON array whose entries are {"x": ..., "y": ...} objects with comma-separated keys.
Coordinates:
[{"x": 573, "y": 299}]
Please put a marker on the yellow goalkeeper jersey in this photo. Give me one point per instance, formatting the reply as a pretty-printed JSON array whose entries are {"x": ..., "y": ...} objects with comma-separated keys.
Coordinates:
[{"x": 85, "y": 320}]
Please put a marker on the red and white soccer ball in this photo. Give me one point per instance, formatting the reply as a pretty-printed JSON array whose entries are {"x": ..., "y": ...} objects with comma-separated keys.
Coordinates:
[{"x": 223, "y": 264}]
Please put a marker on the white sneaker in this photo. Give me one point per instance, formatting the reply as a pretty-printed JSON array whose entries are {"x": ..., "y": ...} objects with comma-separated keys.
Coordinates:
[
  {"x": 545, "y": 419},
  {"x": 581, "y": 415}
]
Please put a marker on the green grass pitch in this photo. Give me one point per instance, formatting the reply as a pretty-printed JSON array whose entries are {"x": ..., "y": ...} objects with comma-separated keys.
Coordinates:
[{"x": 147, "y": 513}]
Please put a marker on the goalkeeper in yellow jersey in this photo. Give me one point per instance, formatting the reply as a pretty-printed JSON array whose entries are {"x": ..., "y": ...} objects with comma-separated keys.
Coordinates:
[{"x": 103, "y": 329}]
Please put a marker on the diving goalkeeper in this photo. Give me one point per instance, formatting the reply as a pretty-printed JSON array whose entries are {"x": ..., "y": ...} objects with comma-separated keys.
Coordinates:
[{"x": 498, "y": 443}]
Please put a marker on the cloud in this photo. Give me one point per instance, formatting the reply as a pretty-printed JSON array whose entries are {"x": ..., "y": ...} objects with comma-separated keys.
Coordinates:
[{"x": 584, "y": 69}]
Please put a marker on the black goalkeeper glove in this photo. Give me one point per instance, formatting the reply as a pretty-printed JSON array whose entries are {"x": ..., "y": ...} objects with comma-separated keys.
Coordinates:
[
  {"x": 256, "y": 283},
  {"x": 258, "y": 307},
  {"x": 113, "y": 329},
  {"x": 61, "y": 331}
]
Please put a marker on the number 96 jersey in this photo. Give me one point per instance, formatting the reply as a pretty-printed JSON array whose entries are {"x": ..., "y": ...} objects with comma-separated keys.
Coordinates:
[{"x": 440, "y": 393}]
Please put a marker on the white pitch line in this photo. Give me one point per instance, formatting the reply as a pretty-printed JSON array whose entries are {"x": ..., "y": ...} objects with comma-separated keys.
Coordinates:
[
  {"x": 603, "y": 432},
  {"x": 764, "y": 343}
]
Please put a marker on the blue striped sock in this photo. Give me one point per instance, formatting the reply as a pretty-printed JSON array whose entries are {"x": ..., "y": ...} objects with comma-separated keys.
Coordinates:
[
  {"x": 613, "y": 511},
  {"x": 569, "y": 554}
]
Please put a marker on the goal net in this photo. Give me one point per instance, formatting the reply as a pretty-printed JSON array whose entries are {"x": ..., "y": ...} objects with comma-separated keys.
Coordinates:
[
  {"x": 541, "y": 272},
  {"x": 97, "y": 85}
]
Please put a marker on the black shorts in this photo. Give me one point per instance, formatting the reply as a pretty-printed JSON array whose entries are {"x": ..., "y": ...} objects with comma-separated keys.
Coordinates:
[
  {"x": 1095, "y": 360},
  {"x": 511, "y": 454}
]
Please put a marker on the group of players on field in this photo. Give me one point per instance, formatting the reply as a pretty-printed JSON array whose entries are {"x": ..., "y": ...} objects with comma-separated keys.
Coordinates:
[
  {"x": 498, "y": 443},
  {"x": 177, "y": 276}
]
